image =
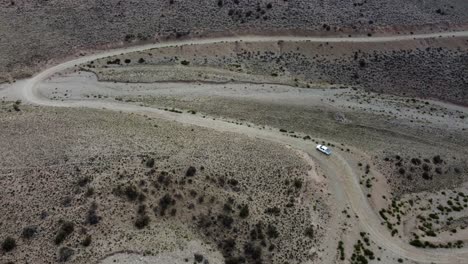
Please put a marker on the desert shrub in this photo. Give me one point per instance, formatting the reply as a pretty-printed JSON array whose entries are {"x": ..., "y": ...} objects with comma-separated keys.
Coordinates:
[
  {"x": 116, "y": 61},
  {"x": 141, "y": 60},
  {"x": 65, "y": 230},
  {"x": 227, "y": 208},
  {"x": 434, "y": 216},
  {"x": 233, "y": 182},
  {"x": 142, "y": 221},
  {"x": 417, "y": 243},
  {"x": 257, "y": 232},
  {"x": 198, "y": 257},
  {"x": 227, "y": 246},
  {"x": 298, "y": 183},
  {"x": 127, "y": 61},
  {"x": 437, "y": 159},
  {"x": 86, "y": 242},
  {"x": 273, "y": 211},
  {"x": 190, "y": 171},
  {"x": 8, "y": 244},
  {"x": 83, "y": 181},
  {"x": 92, "y": 218},
  {"x": 341, "y": 250},
  {"x": 173, "y": 212},
  {"x": 65, "y": 254},
  {"x": 367, "y": 168},
  {"x": 426, "y": 176},
  {"x": 272, "y": 232},
  {"x": 416, "y": 161},
  {"x": 67, "y": 201},
  {"x": 141, "y": 209},
  {"x": 244, "y": 212},
  {"x": 185, "y": 62},
  {"x": 226, "y": 220},
  {"x": 129, "y": 37},
  {"x": 255, "y": 252},
  {"x": 149, "y": 163},
  {"x": 362, "y": 63},
  {"x": 234, "y": 260},
  {"x": 164, "y": 179},
  {"x": 131, "y": 192},
  {"x": 309, "y": 232},
  {"x": 165, "y": 202},
  {"x": 89, "y": 192},
  {"x": 28, "y": 232},
  {"x": 141, "y": 197},
  {"x": 201, "y": 199},
  {"x": 426, "y": 167}
]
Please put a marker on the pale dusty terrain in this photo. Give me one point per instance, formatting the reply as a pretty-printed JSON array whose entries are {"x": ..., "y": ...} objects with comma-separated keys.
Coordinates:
[{"x": 261, "y": 135}]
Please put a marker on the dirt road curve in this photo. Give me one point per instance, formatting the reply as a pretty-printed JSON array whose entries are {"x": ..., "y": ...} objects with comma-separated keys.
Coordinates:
[{"x": 336, "y": 167}]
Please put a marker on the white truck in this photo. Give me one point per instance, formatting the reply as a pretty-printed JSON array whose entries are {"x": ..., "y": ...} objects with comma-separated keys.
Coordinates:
[{"x": 325, "y": 150}]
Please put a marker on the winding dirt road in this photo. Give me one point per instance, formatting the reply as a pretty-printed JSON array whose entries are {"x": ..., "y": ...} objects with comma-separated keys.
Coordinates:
[{"x": 336, "y": 167}]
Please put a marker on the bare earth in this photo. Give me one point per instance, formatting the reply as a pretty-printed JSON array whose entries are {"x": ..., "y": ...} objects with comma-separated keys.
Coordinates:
[{"x": 394, "y": 190}]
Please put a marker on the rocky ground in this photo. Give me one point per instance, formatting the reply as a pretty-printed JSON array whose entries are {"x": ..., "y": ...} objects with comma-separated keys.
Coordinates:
[
  {"x": 128, "y": 186},
  {"x": 413, "y": 150},
  {"x": 83, "y": 184},
  {"x": 35, "y": 32}
]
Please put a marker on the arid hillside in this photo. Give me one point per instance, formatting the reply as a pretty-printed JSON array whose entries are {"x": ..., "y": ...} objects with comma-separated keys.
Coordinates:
[
  {"x": 124, "y": 182},
  {"x": 33, "y": 32}
]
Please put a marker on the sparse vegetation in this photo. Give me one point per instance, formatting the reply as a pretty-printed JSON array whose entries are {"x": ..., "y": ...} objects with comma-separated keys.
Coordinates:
[
  {"x": 65, "y": 254},
  {"x": 86, "y": 241},
  {"x": 64, "y": 231},
  {"x": 28, "y": 232},
  {"x": 8, "y": 244}
]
